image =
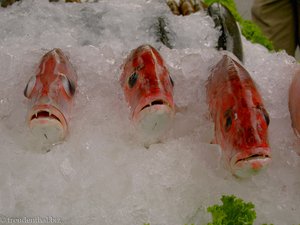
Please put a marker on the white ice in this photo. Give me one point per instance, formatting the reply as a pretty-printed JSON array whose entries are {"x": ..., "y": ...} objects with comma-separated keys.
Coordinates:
[{"x": 102, "y": 174}]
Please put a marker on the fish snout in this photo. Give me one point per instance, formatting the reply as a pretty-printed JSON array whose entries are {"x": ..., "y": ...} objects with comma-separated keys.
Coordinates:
[
  {"x": 244, "y": 165},
  {"x": 251, "y": 137},
  {"x": 43, "y": 100}
]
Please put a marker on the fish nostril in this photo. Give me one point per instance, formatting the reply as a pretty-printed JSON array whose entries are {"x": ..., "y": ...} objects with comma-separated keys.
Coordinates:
[
  {"x": 44, "y": 99},
  {"x": 250, "y": 136}
]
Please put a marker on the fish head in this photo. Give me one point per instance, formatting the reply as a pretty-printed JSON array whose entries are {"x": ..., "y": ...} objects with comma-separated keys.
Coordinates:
[
  {"x": 51, "y": 93},
  {"x": 148, "y": 89},
  {"x": 243, "y": 124}
]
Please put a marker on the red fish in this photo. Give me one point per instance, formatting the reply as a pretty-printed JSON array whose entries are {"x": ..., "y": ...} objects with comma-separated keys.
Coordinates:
[
  {"x": 51, "y": 93},
  {"x": 148, "y": 89},
  {"x": 241, "y": 121},
  {"x": 294, "y": 103}
]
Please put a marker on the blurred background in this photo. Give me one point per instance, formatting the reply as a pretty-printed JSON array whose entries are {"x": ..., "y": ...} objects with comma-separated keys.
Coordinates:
[{"x": 244, "y": 8}]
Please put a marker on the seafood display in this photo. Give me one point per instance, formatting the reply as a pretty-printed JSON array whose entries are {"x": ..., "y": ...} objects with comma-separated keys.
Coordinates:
[
  {"x": 130, "y": 109},
  {"x": 51, "y": 93},
  {"x": 241, "y": 121}
]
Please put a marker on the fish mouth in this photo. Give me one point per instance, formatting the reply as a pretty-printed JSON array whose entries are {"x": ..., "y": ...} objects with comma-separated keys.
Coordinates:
[
  {"x": 156, "y": 102},
  {"x": 47, "y": 123},
  {"x": 155, "y": 117},
  {"x": 244, "y": 167},
  {"x": 44, "y": 114}
]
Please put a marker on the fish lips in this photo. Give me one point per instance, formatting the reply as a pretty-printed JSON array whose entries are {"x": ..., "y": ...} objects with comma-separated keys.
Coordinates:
[
  {"x": 244, "y": 166},
  {"x": 154, "y": 115},
  {"x": 47, "y": 123}
]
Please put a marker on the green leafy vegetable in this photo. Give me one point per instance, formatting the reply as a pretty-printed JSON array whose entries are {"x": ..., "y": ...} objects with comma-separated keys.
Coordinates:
[
  {"x": 234, "y": 211},
  {"x": 253, "y": 33}
]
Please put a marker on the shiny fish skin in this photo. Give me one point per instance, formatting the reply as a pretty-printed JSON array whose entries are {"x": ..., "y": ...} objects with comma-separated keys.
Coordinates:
[
  {"x": 294, "y": 103},
  {"x": 51, "y": 93},
  {"x": 148, "y": 89},
  {"x": 241, "y": 121}
]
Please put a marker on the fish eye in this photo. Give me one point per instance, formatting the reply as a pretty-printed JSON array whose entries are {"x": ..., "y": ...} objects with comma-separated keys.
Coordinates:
[
  {"x": 132, "y": 79},
  {"x": 228, "y": 123},
  {"x": 265, "y": 114},
  {"x": 68, "y": 86},
  {"x": 29, "y": 87},
  {"x": 172, "y": 82},
  {"x": 228, "y": 119}
]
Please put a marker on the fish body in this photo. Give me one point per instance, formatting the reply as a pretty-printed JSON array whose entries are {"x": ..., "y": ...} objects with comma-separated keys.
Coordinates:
[
  {"x": 241, "y": 121},
  {"x": 163, "y": 32},
  {"x": 230, "y": 38},
  {"x": 51, "y": 93},
  {"x": 148, "y": 89},
  {"x": 294, "y": 103}
]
